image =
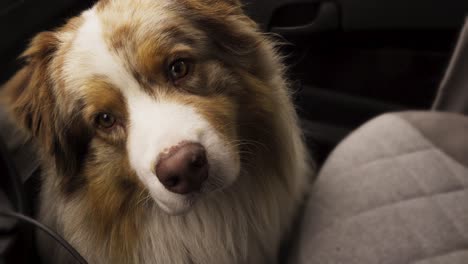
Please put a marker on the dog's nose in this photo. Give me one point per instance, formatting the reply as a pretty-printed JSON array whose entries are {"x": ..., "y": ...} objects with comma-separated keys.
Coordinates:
[{"x": 183, "y": 169}]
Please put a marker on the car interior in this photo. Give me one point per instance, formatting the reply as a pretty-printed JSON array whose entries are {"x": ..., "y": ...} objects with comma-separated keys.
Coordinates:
[{"x": 372, "y": 81}]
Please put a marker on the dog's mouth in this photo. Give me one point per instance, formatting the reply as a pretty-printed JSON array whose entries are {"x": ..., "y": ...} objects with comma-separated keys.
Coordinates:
[{"x": 177, "y": 204}]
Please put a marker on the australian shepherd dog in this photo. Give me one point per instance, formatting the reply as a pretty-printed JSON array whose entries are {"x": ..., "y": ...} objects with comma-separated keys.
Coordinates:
[{"x": 166, "y": 131}]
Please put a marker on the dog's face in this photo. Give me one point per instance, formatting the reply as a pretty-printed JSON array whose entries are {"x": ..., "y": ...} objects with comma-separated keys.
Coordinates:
[{"x": 145, "y": 96}]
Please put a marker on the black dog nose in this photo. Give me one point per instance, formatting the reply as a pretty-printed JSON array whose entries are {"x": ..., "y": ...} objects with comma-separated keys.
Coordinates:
[{"x": 183, "y": 169}]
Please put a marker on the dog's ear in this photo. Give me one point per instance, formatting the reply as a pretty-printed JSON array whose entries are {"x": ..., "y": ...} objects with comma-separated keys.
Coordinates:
[
  {"x": 28, "y": 94},
  {"x": 32, "y": 101},
  {"x": 227, "y": 26}
]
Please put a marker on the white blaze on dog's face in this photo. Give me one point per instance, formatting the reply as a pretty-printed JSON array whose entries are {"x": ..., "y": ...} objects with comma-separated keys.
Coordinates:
[{"x": 163, "y": 113}]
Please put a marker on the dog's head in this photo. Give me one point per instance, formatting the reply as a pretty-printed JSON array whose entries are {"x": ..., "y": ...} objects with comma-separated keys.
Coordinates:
[{"x": 146, "y": 96}]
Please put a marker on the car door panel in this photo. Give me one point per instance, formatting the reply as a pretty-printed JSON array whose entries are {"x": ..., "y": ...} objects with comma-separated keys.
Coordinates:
[{"x": 351, "y": 60}]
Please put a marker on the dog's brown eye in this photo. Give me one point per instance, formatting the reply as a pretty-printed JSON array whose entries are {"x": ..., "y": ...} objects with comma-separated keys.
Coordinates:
[
  {"x": 179, "y": 69},
  {"x": 105, "y": 120}
]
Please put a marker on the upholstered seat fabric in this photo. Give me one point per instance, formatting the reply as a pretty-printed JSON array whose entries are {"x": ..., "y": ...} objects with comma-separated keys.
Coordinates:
[{"x": 395, "y": 191}]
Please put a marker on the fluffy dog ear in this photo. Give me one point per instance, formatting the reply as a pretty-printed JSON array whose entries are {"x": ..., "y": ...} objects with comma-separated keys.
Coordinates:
[
  {"x": 32, "y": 101},
  {"x": 230, "y": 29},
  {"x": 28, "y": 93}
]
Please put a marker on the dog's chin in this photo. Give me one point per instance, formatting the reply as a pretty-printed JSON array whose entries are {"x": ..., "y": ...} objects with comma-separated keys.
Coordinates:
[{"x": 178, "y": 204}]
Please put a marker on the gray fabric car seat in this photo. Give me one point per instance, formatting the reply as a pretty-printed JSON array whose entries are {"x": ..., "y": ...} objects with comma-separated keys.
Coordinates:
[{"x": 396, "y": 190}]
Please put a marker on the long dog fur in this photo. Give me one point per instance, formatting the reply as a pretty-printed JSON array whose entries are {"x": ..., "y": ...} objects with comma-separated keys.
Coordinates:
[{"x": 90, "y": 192}]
